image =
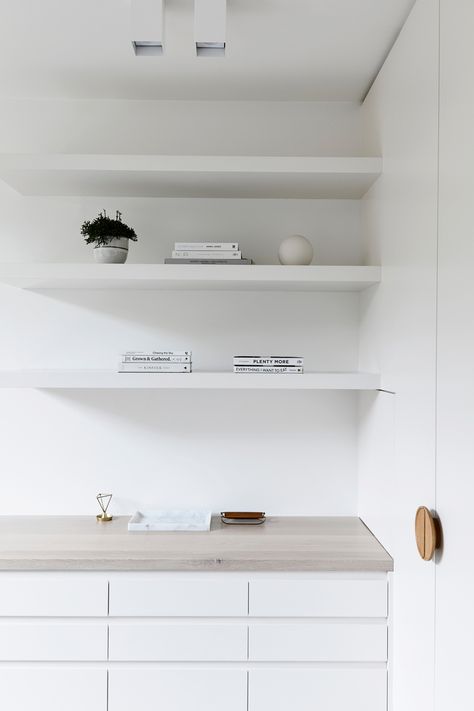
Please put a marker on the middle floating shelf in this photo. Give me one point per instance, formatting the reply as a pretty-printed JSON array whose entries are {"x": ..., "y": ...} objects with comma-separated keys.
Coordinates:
[
  {"x": 261, "y": 277},
  {"x": 111, "y": 380}
]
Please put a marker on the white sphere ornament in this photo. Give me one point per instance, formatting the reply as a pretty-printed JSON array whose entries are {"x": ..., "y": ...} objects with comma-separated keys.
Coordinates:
[{"x": 295, "y": 250}]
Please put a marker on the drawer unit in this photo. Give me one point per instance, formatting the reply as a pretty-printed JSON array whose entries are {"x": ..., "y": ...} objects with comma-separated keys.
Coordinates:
[
  {"x": 256, "y": 642},
  {"x": 318, "y": 598},
  {"x": 52, "y": 595},
  {"x": 318, "y": 642},
  {"x": 178, "y": 642},
  {"x": 165, "y": 597},
  {"x": 318, "y": 689},
  {"x": 178, "y": 689},
  {"x": 42, "y": 689},
  {"x": 52, "y": 642}
]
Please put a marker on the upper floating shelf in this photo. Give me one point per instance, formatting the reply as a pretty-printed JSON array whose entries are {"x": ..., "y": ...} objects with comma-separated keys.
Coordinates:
[
  {"x": 189, "y": 277},
  {"x": 189, "y": 176}
]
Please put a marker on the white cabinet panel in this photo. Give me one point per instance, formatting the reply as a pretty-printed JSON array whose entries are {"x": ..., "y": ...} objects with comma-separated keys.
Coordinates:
[
  {"x": 318, "y": 642},
  {"x": 455, "y": 402},
  {"x": 177, "y": 642},
  {"x": 398, "y": 337},
  {"x": 318, "y": 598},
  {"x": 52, "y": 595},
  {"x": 29, "y": 689},
  {"x": 160, "y": 597},
  {"x": 318, "y": 690},
  {"x": 177, "y": 690},
  {"x": 52, "y": 642}
]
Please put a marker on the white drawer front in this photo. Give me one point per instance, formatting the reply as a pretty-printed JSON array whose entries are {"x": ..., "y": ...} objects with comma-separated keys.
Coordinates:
[
  {"x": 29, "y": 689},
  {"x": 177, "y": 690},
  {"x": 52, "y": 595},
  {"x": 178, "y": 598},
  {"x": 318, "y": 690},
  {"x": 318, "y": 598},
  {"x": 178, "y": 642},
  {"x": 52, "y": 642},
  {"x": 318, "y": 642}
]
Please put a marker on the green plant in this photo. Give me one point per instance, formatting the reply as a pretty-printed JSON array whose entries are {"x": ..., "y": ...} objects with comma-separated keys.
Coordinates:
[{"x": 103, "y": 229}]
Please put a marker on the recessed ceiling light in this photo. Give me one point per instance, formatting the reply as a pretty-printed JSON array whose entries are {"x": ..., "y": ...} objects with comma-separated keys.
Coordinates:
[
  {"x": 210, "y": 27},
  {"x": 147, "y": 27}
]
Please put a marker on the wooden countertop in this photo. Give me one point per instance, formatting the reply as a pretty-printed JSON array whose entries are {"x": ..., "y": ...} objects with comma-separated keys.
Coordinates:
[{"x": 280, "y": 544}]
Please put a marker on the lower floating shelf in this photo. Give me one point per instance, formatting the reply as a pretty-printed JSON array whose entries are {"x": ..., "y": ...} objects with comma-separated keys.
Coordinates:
[{"x": 103, "y": 379}]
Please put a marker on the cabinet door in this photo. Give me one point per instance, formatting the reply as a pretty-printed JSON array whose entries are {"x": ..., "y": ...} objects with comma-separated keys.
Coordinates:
[
  {"x": 455, "y": 403},
  {"x": 52, "y": 595},
  {"x": 52, "y": 642},
  {"x": 160, "y": 596},
  {"x": 318, "y": 642},
  {"x": 170, "y": 642},
  {"x": 177, "y": 690},
  {"x": 318, "y": 598},
  {"x": 318, "y": 690},
  {"x": 396, "y": 434},
  {"x": 46, "y": 689}
]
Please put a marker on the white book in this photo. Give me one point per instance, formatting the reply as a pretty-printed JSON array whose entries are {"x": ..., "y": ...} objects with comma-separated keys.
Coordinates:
[
  {"x": 288, "y": 370},
  {"x": 268, "y": 360},
  {"x": 154, "y": 368},
  {"x": 153, "y": 358},
  {"x": 158, "y": 353},
  {"x": 203, "y": 254},
  {"x": 205, "y": 246},
  {"x": 214, "y": 260}
]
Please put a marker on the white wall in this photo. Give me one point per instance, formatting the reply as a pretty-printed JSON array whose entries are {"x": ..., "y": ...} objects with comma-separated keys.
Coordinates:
[
  {"x": 398, "y": 336},
  {"x": 282, "y": 452},
  {"x": 48, "y": 229},
  {"x": 181, "y": 127}
]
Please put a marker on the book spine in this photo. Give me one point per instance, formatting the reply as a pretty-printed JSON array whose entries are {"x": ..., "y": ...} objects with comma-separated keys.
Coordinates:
[
  {"x": 205, "y": 246},
  {"x": 269, "y": 369},
  {"x": 157, "y": 353},
  {"x": 155, "y": 359},
  {"x": 155, "y": 368},
  {"x": 207, "y": 261},
  {"x": 203, "y": 254},
  {"x": 268, "y": 361}
]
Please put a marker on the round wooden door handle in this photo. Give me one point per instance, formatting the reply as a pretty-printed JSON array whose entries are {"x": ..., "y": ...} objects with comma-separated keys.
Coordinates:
[{"x": 426, "y": 533}]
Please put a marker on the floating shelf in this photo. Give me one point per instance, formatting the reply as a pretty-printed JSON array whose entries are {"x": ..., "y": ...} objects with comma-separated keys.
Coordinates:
[
  {"x": 189, "y": 276},
  {"x": 189, "y": 176},
  {"x": 100, "y": 379}
]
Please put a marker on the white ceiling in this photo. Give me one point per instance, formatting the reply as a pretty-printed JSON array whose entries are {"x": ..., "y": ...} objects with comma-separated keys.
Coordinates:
[{"x": 290, "y": 50}]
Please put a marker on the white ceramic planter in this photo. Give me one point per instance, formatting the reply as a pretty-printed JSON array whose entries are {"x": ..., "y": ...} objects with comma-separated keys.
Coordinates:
[{"x": 115, "y": 252}]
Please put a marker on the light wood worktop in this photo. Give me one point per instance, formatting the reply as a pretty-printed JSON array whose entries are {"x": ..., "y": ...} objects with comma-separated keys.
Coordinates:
[{"x": 281, "y": 544}]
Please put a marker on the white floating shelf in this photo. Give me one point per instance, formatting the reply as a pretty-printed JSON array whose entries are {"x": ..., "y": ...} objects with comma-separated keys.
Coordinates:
[
  {"x": 190, "y": 176},
  {"x": 100, "y": 379},
  {"x": 189, "y": 276}
]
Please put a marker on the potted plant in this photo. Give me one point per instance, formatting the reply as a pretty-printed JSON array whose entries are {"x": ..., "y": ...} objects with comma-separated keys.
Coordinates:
[{"x": 109, "y": 236}]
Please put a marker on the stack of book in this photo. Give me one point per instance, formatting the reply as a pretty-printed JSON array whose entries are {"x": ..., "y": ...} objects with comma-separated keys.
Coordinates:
[
  {"x": 268, "y": 364},
  {"x": 207, "y": 253},
  {"x": 156, "y": 362}
]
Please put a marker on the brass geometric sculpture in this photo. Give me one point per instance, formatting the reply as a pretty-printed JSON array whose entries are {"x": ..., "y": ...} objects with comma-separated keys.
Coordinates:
[{"x": 104, "y": 503}]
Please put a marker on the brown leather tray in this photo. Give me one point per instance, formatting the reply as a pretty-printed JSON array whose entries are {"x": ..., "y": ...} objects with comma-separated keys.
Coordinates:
[{"x": 243, "y": 518}]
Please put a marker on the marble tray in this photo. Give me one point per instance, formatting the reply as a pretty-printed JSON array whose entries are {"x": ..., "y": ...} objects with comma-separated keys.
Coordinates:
[{"x": 170, "y": 520}]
